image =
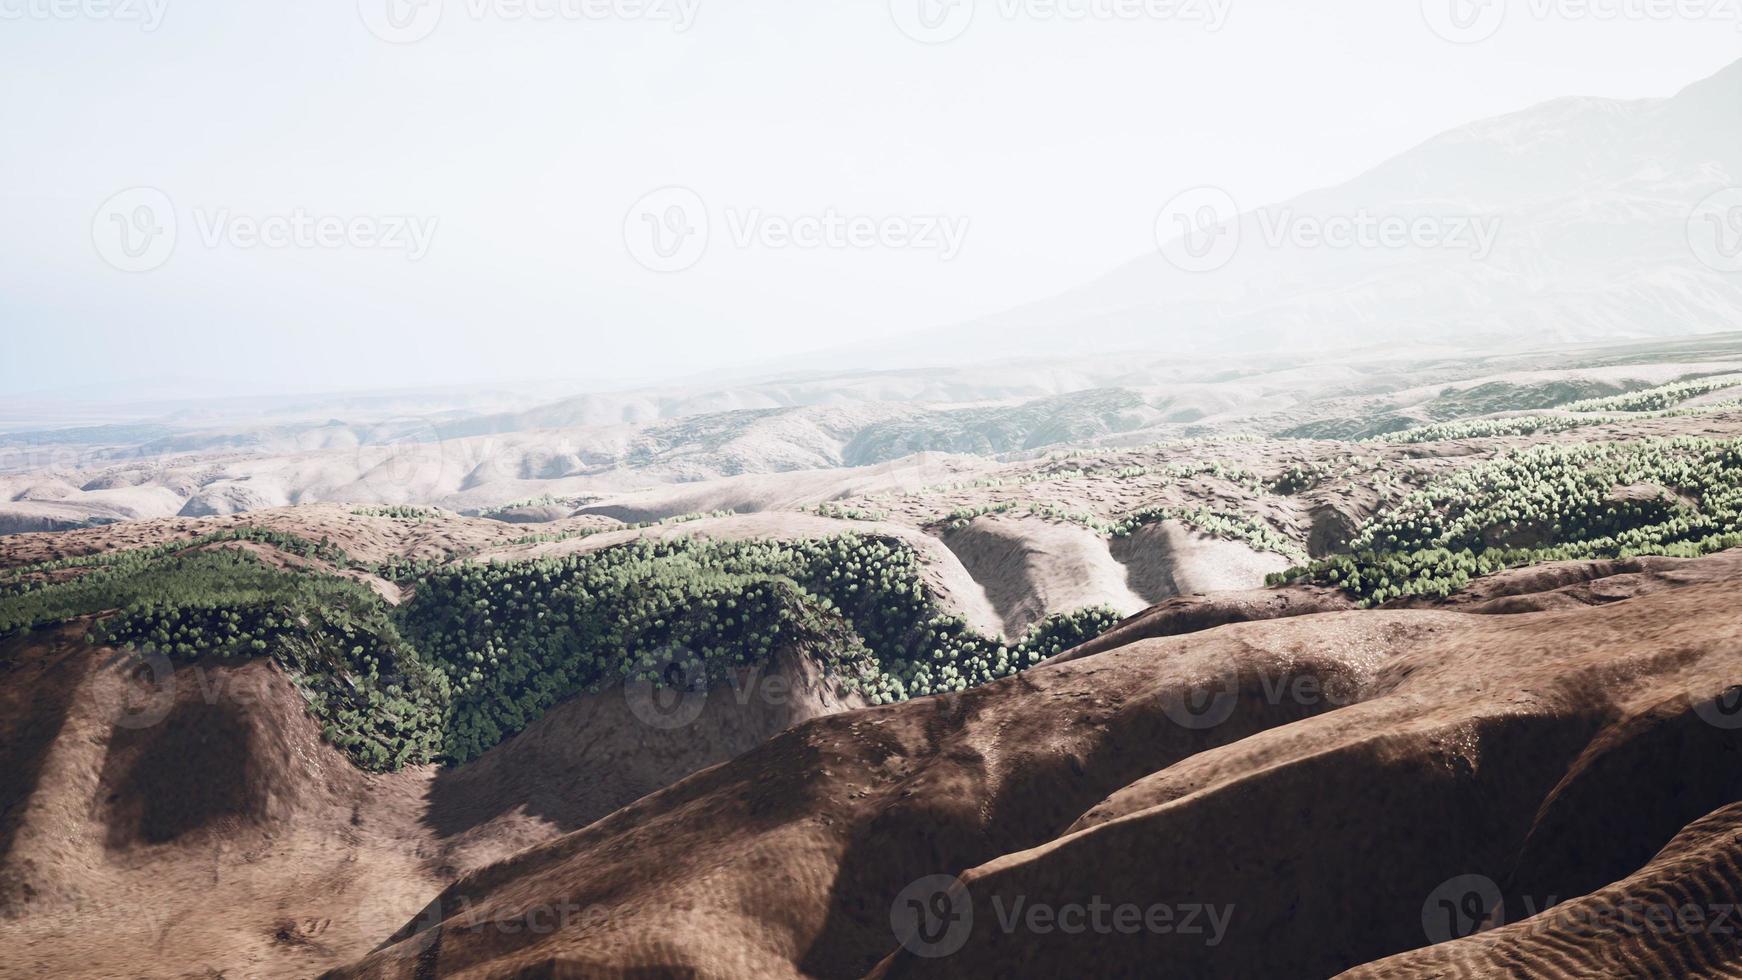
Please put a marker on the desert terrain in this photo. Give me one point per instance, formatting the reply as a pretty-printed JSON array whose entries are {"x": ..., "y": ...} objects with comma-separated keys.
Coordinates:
[
  {"x": 1268, "y": 605},
  {"x": 1361, "y": 673}
]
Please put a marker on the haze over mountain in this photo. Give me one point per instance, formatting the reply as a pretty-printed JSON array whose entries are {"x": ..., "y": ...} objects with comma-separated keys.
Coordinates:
[{"x": 1569, "y": 221}]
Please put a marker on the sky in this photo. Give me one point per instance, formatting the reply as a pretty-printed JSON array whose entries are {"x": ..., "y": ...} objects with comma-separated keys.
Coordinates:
[{"x": 210, "y": 198}]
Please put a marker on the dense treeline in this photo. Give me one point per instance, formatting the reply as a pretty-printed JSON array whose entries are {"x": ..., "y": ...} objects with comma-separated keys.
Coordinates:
[
  {"x": 26, "y": 576},
  {"x": 1655, "y": 399},
  {"x": 1679, "y": 496},
  {"x": 376, "y": 698},
  {"x": 516, "y": 638},
  {"x": 1524, "y": 425},
  {"x": 483, "y": 650}
]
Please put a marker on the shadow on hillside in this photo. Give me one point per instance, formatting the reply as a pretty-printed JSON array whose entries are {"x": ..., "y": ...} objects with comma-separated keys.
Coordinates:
[{"x": 36, "y": 693}]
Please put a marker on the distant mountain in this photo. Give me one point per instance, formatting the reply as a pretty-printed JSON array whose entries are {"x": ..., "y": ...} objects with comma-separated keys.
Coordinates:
[{"x": 1591, "y": 203}]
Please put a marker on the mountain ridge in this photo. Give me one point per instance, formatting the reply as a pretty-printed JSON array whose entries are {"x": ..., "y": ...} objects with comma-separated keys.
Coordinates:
[{"x": 1595, "y": 194}]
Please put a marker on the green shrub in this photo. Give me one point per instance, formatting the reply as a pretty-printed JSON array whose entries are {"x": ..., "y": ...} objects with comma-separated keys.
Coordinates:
[
  {"x": 484, "y": 649},
  {"x": 1679, "y": 496},
  {"x": 1655, "y": 399},
  {"x": 1534, "y": 424},
  {"x": 375, "y": 696}
]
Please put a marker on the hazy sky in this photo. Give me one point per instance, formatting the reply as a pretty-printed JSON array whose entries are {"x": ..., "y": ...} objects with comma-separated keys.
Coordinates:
[{"x": 472, "y": 202}]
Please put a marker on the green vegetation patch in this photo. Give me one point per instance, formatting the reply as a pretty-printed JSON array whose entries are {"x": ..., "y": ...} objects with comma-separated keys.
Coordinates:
[
  {"x": 377, "y": 699},
  {"x": 21, "y": 577},
  {"x": 1656, "y": 399},
  {"x": 517, "y": 638},
  {"x": 1534, "y": 424},
  {"x": 1492, "y": 397},
  {"x": 1679, "y": 497},
  {"x": 841, "y": 512},
  {"x": 483, "y": 650}
]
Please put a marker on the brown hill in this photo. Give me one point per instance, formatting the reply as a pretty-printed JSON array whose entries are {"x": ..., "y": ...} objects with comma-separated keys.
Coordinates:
[
  {"x": 1675, "y": 917},
  {"x": 1278, "y": 798},
  {"x": 191, "y": 821},
  {"x": 1303, "y": 782}
]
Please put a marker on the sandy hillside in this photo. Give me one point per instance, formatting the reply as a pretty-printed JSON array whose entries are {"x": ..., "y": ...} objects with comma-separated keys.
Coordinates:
[
  {"x": 1549, "y": 733},
  {"x": 1303, "y": 774},
  {"x": 1552, "y": 753},
  {"x": 196, "y": 821}
]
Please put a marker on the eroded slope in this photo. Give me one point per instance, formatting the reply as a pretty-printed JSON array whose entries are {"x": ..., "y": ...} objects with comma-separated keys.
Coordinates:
[{"x": 1317, "y": 778}]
